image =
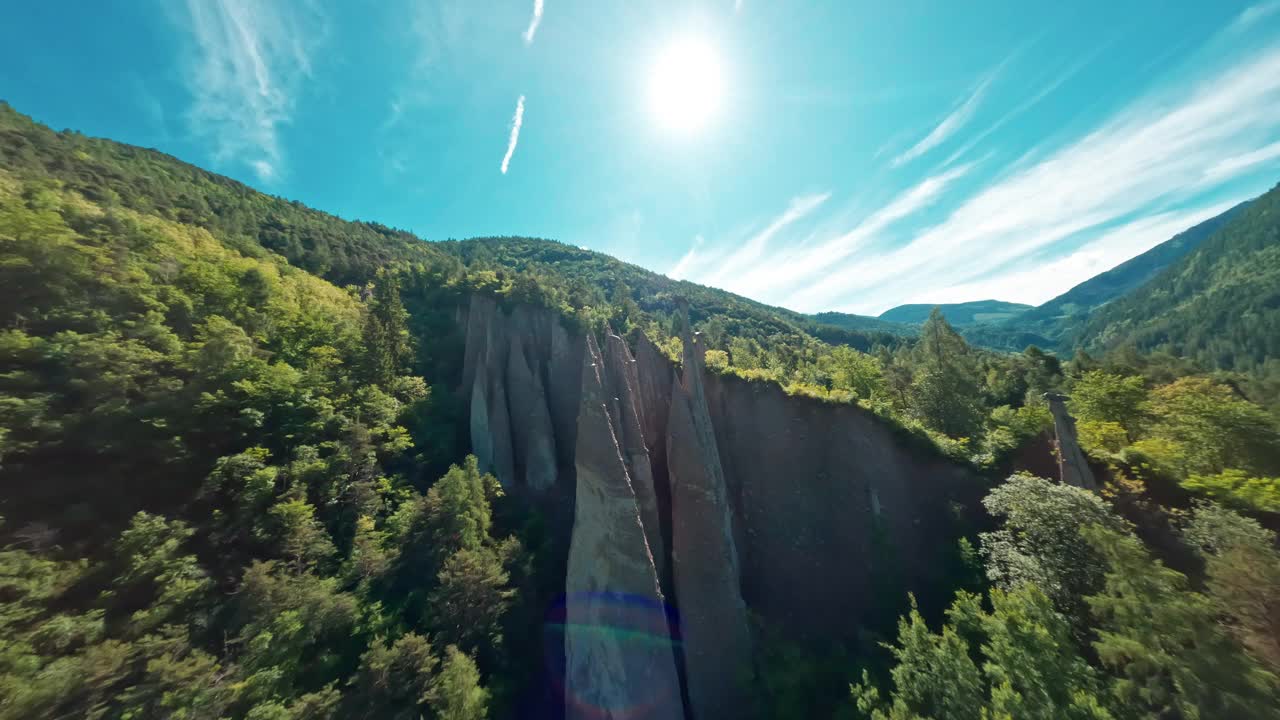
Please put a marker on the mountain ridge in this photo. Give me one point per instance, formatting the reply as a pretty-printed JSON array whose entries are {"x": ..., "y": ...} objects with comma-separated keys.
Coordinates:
[
  {"x": 1218, "y": 305},
  {"x": 1056, "y": 319},
  {"x": 958, "y": 314}
]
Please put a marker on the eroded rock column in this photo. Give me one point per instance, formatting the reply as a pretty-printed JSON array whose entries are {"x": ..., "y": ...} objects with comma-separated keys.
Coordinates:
[
  {"x": 624, "y": 389},
  {"x": 531, "y": 429},
  {"x": 713, "y": 616},
  {"x": 1073, "y": 469},
  {"x": 619, "y": 653}
]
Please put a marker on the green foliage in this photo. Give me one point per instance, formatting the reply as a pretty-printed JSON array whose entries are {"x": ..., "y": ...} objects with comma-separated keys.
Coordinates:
[
  {"x": 386, "y": 335},
  {"x": 1191, "y": 429},
  {"x": 173, "y": 344},
  {"x": 457, "y": 514},
  {"x": 470, "y": 600},
  {"x": 1159, "y": 648},
  {"x": 155, "y": 566},
  {"x": 1214, "y": 428},
  {"x": 857, "y": 372},
  {"x": 460, "y": 696},
  {"x": 1099, "y": 396},
  {"x": 934, "y": 676},
  {"x": 1216, "y": 305},
  {"x": 1027, "y": 667},
  {"x": 1102, "y": 437},
  {"x": 1040, "y": 542},
  {"x": 1242, "y": 568},
  {"x": 945, "y": 391},
  {"x": 398, "y": 680},
  {"x": 300, "y": 536},
  {"x": 1011, "y": 427},
  {"x": 1059, "y": 320},
  {"x": 967, "y": 313},
  {"x": 1235, "y": 487},
  {"x": 1169, "y": 653}
]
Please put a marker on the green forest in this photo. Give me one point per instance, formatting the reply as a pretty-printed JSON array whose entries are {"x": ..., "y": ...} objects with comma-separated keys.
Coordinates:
[{"x": 235, "y": 480}]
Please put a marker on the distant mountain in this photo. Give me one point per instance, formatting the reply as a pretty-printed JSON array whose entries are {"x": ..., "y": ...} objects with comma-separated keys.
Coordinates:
[
  {"x": 958, "y": 314},
  {"x": 1058, "y": 319},
  {"x": 862, "y": 323},
  {"x": 1219, "y": 304}
]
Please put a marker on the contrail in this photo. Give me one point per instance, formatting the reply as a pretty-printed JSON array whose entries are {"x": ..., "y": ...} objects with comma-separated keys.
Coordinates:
[
  {"x": 533, "y": 22},
  {"x": 516, "y": 122}
]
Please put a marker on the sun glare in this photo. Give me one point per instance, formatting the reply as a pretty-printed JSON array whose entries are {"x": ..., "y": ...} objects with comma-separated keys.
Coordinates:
[{"x": 685, "y": 87}]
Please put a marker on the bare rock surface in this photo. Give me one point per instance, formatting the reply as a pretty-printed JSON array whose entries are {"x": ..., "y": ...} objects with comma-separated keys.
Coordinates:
[
  {"x": 713, "y": 616},
  {"x": 1073, "y": 469},
  {"x": 704, "y": 492},
  {"x": 619, "y": 654},
  {"x": 624, "y": 389},
  {"x": 533, "y": 436}
]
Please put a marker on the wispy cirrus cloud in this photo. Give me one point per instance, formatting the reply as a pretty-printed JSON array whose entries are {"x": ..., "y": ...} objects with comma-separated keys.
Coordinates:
[
  {"x": 534, "y": 22},
  {"x": 743, "y": 258},
  {"x": 1254, "y": 14},
  {"x": 689, "y": 260},
  {"x": 952, "y": 123},
  {"x": 782, "y": 274},
  {"x": 1053, "y": 215},
  {"x": 247, "y": 63},
  {"x": 1026, "y": 279},
  {"x": 1234, "y": 165},
  {"x": 517, "y": 121},
  {"x": 1040, "y": 94},
  {"x": 1152, "y": 153}
]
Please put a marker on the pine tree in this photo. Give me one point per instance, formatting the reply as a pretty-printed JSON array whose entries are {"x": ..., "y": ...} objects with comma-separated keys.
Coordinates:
[
  {"x": 1170, "y": 654},
  {"x": 945, "y": 393},
  {"x": 459, "y": 695},
  {"x": 386, "y": 333}
]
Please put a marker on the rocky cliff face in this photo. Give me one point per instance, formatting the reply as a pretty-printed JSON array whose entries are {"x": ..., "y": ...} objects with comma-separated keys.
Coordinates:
[
  {"x": 828, "y": 502},
  {"x": 717, "y": 647},
  {"x": 522, "y": 372},
  {"x": 692, "y": 497},
  {"x": 619, "y": 653},
  {"x": 1073, "y": 468}
]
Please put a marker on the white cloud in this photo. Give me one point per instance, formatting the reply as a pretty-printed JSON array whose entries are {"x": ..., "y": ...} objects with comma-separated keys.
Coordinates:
[
  {"x": 248, "y": 61},
  {"x": 948, "y": 127},
  {"x": 445, "y": 37},
  {"x": 810, "y": 269},
  {"x": 516, "y": 121},
  {"x": 533, "y": 22},
  {"x": 1237, "y": 164},
  {"x": 737, "y": 6},
  {"x": 265, "y": 170},
  {"x": 786, "y": 275},
  {"x": 750, "y": 253},
  {"x": 1253, "y": 14},
  {"x": 1034, "y": 282},
  {"x": 1138, "y": 178},
  {"x": 1022, "y": 107},
  {"x": 680, "y": 270},
  {"x": 1154, "y": 152}
]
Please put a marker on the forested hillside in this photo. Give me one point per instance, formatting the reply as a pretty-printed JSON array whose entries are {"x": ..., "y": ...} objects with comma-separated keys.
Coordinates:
[
  {"x": 236, "y": 481},
  {"x": 958, "y": 314},
  {"x": 1218, "y": 306},
  {"x": 1056, "y": 323},
  {"x": 863, "y": 322}
]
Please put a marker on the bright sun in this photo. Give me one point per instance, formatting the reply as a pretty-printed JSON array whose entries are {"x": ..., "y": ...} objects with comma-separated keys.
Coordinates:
[{"x": 685, "y": 87}]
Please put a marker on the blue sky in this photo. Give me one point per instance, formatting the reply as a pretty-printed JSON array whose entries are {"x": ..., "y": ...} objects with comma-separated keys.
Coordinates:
[{"x": 860, "y": 154}]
